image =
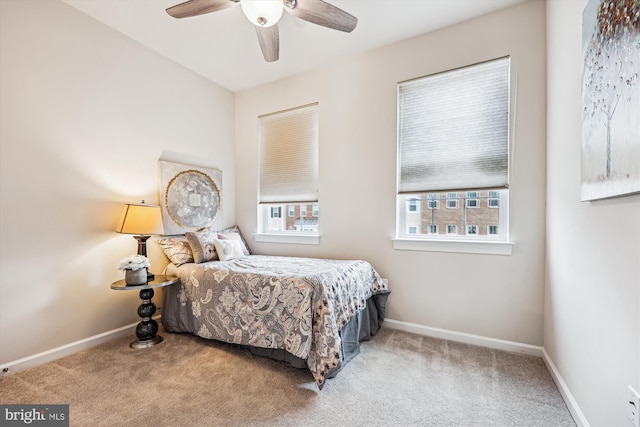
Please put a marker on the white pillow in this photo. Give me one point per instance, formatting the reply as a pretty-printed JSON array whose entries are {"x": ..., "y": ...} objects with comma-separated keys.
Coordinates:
[{"x": 228, "y": 249}]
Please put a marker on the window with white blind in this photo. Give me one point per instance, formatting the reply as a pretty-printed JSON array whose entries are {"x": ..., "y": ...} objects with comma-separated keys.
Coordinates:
[
  {"x": 288, "y": 171},
  {"x": 453, "y": 145}
]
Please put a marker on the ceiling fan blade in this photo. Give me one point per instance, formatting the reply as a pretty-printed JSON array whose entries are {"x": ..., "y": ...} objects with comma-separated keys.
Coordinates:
[
  {"x": 199, "y": 7},
  {"x": 322, "y": 13},
  {"x": 269, "y": 39}
]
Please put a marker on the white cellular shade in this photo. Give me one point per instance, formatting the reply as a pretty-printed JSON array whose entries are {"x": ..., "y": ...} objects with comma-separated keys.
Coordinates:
[
  {"x": 288, "y": 143},
  {"x": 453, "y": 129}
]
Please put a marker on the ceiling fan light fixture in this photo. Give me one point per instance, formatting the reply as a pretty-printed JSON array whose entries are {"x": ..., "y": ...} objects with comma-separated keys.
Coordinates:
[{"x": 263, "y": 13}]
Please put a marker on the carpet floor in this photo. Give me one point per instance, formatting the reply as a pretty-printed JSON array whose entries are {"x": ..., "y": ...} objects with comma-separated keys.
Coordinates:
[{"x": 398, "y": 379}]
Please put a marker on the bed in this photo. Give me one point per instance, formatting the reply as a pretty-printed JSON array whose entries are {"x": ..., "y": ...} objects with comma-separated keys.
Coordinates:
[{"x": 308, "y": 312}]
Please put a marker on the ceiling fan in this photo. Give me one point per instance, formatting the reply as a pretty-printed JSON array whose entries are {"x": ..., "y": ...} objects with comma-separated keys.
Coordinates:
[{"x": 264, "y": 14}]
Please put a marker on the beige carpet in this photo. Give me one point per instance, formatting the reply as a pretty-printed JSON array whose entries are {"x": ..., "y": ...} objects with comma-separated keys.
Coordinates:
[{"x": 399, "y": 379}]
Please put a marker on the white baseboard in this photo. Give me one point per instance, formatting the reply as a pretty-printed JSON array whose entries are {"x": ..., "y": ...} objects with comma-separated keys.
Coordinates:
[
  {"x": 65, "y": 350},
  {"x": 512, "y": 346},
  {"x": 571, "y": 403}
]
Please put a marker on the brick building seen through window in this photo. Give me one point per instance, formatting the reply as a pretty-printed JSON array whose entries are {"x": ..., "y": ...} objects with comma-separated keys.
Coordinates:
[
  {"x": 302, "y": 217},
  {"x": 471, "y": 213}
]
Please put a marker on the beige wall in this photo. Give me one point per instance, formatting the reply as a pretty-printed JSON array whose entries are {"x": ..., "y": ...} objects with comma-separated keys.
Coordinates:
[
  {"x": 494, "y": 296},
  {"x": 592, "y": 297},
  {"x": 85, "y": 115}
]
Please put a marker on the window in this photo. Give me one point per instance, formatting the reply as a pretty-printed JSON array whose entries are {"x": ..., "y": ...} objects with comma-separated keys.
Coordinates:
[
  {"x": 453, "y": 145},
  {"x": 473, "y": 210},
  {"x": 452, "y": 200},
  {"x": 288, "y": 170},
  {"x": 494, "y": 199},
  {"x": 314, "y": 209},
  {"x": 413, "y": 230},
  {"x": 472, "y": 199},
  {"x": 412, "y": 205},
  {"x": 433, "y": 229},
  {"x": 296, "y": 220},
  {"x": 433, "y": 201}
]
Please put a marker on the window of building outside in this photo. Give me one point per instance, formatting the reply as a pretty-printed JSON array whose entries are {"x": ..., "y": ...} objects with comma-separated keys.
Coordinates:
[
  {"x": 433, "y": 202},
  {"x": 453, "y": 147},
  {"x": 493, "y": 200},
  {"x": 288, "y": 173},
  {"x": 452, "y": 200},
  {"x": 472, "y": 199}
]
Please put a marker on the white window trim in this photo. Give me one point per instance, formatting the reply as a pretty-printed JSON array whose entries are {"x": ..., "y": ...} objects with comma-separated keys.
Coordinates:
[
  {"x": 485, "y": 247},
  {"x": 298, "y": 238}
]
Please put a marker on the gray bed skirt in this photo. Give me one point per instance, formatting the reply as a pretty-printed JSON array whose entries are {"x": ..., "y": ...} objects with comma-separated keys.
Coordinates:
[{"x": 360, "y": 328}]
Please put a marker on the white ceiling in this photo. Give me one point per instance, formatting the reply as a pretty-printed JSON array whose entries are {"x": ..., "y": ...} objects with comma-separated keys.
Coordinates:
[{"x": 222, "y": 46}]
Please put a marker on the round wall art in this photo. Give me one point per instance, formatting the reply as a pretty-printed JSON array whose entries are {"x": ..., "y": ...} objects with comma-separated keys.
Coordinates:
[{"x": 192, "y": 199}]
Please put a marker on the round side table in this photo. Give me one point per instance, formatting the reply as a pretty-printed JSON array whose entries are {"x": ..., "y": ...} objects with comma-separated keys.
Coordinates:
[{"x": 147, "y": 329}]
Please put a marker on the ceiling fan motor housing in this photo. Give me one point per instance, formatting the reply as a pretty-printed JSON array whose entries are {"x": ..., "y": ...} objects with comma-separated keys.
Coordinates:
[{"x": 263, "y": 13}]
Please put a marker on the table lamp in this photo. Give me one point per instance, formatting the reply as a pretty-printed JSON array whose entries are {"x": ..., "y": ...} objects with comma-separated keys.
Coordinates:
[{"x": 143, "y": 221}]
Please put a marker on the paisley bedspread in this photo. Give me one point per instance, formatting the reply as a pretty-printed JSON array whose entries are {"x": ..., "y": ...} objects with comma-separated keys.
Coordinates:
[{"x": 296, "y": 304}]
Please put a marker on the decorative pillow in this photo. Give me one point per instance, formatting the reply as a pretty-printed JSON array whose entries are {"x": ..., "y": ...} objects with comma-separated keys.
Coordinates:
[
  {"x": 233, "y": 233},
  {"x": 177, "y": 249},
  {"x": 202, "y": 245},
  {"x": 229, "y": 249},
  {"x": 234, "y": 236}
]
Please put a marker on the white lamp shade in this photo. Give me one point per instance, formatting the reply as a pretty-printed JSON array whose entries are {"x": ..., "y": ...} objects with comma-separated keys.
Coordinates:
[
  {"x": 263, "y": 13},
  {"x": 141, "y": 220}
]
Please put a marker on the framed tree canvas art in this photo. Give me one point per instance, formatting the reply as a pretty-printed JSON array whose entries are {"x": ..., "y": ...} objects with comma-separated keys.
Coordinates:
[{"x": 610, "y": 164}]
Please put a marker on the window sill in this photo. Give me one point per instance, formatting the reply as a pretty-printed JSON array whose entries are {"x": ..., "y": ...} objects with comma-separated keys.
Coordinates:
[
  {"x": 461, "y": 246},
  {"x": 298, "y": 239}
]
